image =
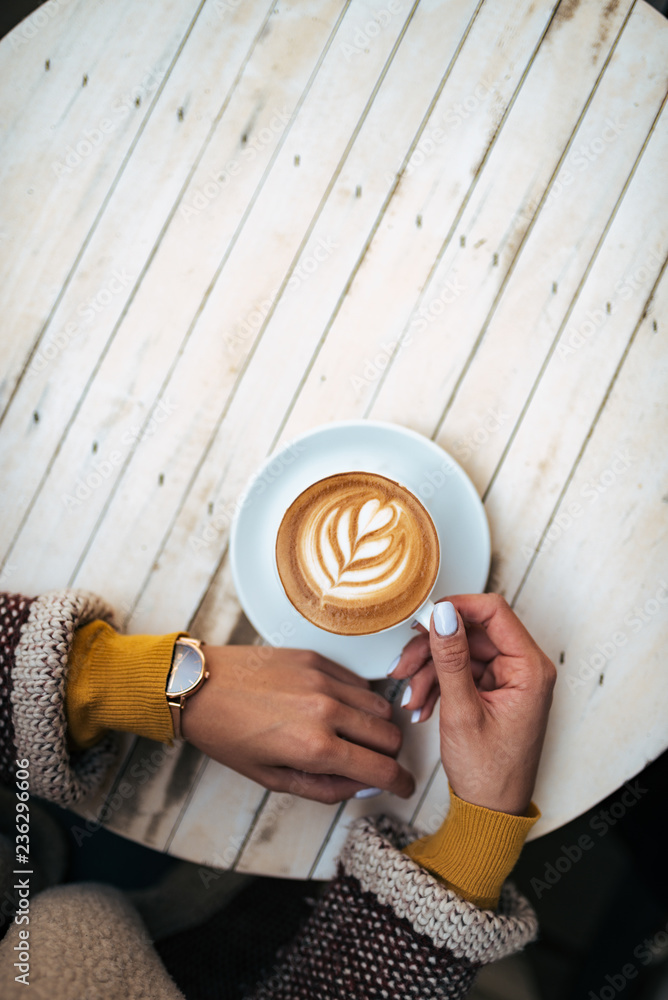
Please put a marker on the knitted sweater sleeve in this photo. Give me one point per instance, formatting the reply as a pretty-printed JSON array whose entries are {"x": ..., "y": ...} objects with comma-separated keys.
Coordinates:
[
  {"x": 386, "y": 928},
  {"x": 35, "y": 641}
]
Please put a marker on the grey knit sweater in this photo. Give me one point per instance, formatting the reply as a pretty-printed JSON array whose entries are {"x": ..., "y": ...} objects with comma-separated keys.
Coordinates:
[{"x": 384, "y": 929}]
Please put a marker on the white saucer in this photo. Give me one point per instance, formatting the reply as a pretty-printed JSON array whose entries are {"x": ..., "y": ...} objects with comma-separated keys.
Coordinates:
[{"x": 346, "y": 446}]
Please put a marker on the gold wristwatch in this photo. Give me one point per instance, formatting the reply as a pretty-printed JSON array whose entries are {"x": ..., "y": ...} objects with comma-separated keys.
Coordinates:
[{"x": 186, "y": 676}]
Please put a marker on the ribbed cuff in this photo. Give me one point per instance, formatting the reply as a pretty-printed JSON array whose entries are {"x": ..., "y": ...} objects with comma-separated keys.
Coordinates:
[
  {"x": 118, "y": 682},
  {"x": 474, "y": 850}
]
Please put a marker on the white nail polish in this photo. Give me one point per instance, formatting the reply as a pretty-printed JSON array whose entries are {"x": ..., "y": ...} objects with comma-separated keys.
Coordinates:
[
  {"x": 414, "y": 623},
  {"x": 406, "y": 697},
  {"x": 393, "y": 665},
  {"x": 445, "y": 618},
  {"x": 368, "y": 793},
  {"x": 415, "y": 717}
]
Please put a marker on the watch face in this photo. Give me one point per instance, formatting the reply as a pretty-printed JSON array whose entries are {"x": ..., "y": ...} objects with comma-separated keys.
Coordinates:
[{"x": 186, "y": 671}]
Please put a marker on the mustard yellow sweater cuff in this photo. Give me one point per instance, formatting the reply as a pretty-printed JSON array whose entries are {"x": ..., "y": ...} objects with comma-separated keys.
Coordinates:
[
  {"x": 118, "y": 682},
  {"x": 474, "y": 850}
]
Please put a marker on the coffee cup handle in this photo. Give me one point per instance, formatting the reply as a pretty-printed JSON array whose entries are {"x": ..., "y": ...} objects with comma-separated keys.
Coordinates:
[{"x": 423, "y": 614}]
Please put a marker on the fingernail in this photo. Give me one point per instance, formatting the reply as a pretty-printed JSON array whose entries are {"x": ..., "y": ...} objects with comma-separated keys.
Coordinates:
[
  {"x": 445, "y": 618},
  {"x": 406, "y": 696},
  {"x": 368, "y": 793},
  {"x": 393, "y": 665},
  {"x": 414, "y": 623},
  {"x": 415, "y": 717}
]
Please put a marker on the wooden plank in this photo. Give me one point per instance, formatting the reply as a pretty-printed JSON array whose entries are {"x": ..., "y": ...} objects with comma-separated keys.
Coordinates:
[
  {"x": 214, "y": 822},
  {"x": 549, "y": 432},
  {"x": 116, "y": 403},
  {"x": 92, "y": 809},
  {"x": 286, "y": 837},
  {"x": 72, "y": 127},
  {"x": 489, "y": 234},
  {"x": 442, "y": 172},
  {"x": 319, "y": 149},
  {"x": 149, "y": 791},
  {"x": 599, "y": 596},
  {"x": 542, "y": 293}
]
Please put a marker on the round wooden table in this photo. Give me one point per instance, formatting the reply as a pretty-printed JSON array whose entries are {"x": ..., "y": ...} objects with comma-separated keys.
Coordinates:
[{"x": 228, "y": 222}]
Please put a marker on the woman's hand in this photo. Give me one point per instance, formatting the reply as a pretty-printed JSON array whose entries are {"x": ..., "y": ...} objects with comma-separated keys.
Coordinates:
[
  {"x": 295, "y": 722},
  {"x": 496, "y": 690}
]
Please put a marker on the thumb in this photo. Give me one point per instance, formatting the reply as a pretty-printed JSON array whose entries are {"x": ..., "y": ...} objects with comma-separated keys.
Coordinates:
[{"x": 450, "y": 653}]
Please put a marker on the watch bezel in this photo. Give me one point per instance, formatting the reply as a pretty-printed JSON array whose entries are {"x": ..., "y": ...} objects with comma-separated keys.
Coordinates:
[{"x": 176, "y": 696}]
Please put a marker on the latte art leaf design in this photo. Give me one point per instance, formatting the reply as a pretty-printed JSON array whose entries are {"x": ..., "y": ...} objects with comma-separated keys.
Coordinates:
[
  {"x": 357, "y": 553},
  {"x": 356, "y": 548}
]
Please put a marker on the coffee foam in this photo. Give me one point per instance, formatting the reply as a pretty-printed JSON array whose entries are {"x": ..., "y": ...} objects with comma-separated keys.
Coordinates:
[{"x": 357, "y": 553}]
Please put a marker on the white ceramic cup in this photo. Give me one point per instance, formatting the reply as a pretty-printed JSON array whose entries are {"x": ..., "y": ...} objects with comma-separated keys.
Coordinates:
[{"x": 422, "y": 613}]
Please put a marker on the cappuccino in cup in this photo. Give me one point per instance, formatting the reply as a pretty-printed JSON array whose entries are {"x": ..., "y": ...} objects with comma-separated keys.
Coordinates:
[{"x": 357, "y": 553}]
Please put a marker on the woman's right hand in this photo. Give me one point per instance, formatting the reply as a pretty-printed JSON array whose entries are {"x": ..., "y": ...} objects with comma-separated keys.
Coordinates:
[{"x": 496, "y": 689}]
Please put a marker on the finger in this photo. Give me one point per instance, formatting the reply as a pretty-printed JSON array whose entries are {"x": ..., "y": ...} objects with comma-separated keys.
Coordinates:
[
  {"x": 372, "y": 769},
  {"x": 450, "y": 652},
  {"x": 360, "y": 699},
  {"x": 495, "y": 615},
  {"x": 368, "y": 731},
  {"x": 308, "y": 658},
  {"x": 327, "y": 788},
  {"x": 478, "y": 668},
  {"x": 421, "y": 685},
  {"x": 428, "y": 708},
  {"x": 413, "y": 656},
  {"x": 488, "y": 681},
  {"x": 480, "y": 644}
]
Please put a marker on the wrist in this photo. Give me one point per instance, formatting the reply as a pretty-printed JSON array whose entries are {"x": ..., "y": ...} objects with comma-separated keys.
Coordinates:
[
  {"x": 475, "y": 849},
  {"x": 508, "y": 791}
]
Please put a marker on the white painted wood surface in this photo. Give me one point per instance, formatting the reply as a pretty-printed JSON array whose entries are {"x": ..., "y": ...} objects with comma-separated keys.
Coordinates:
[{"x": 224, "y": 224}]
